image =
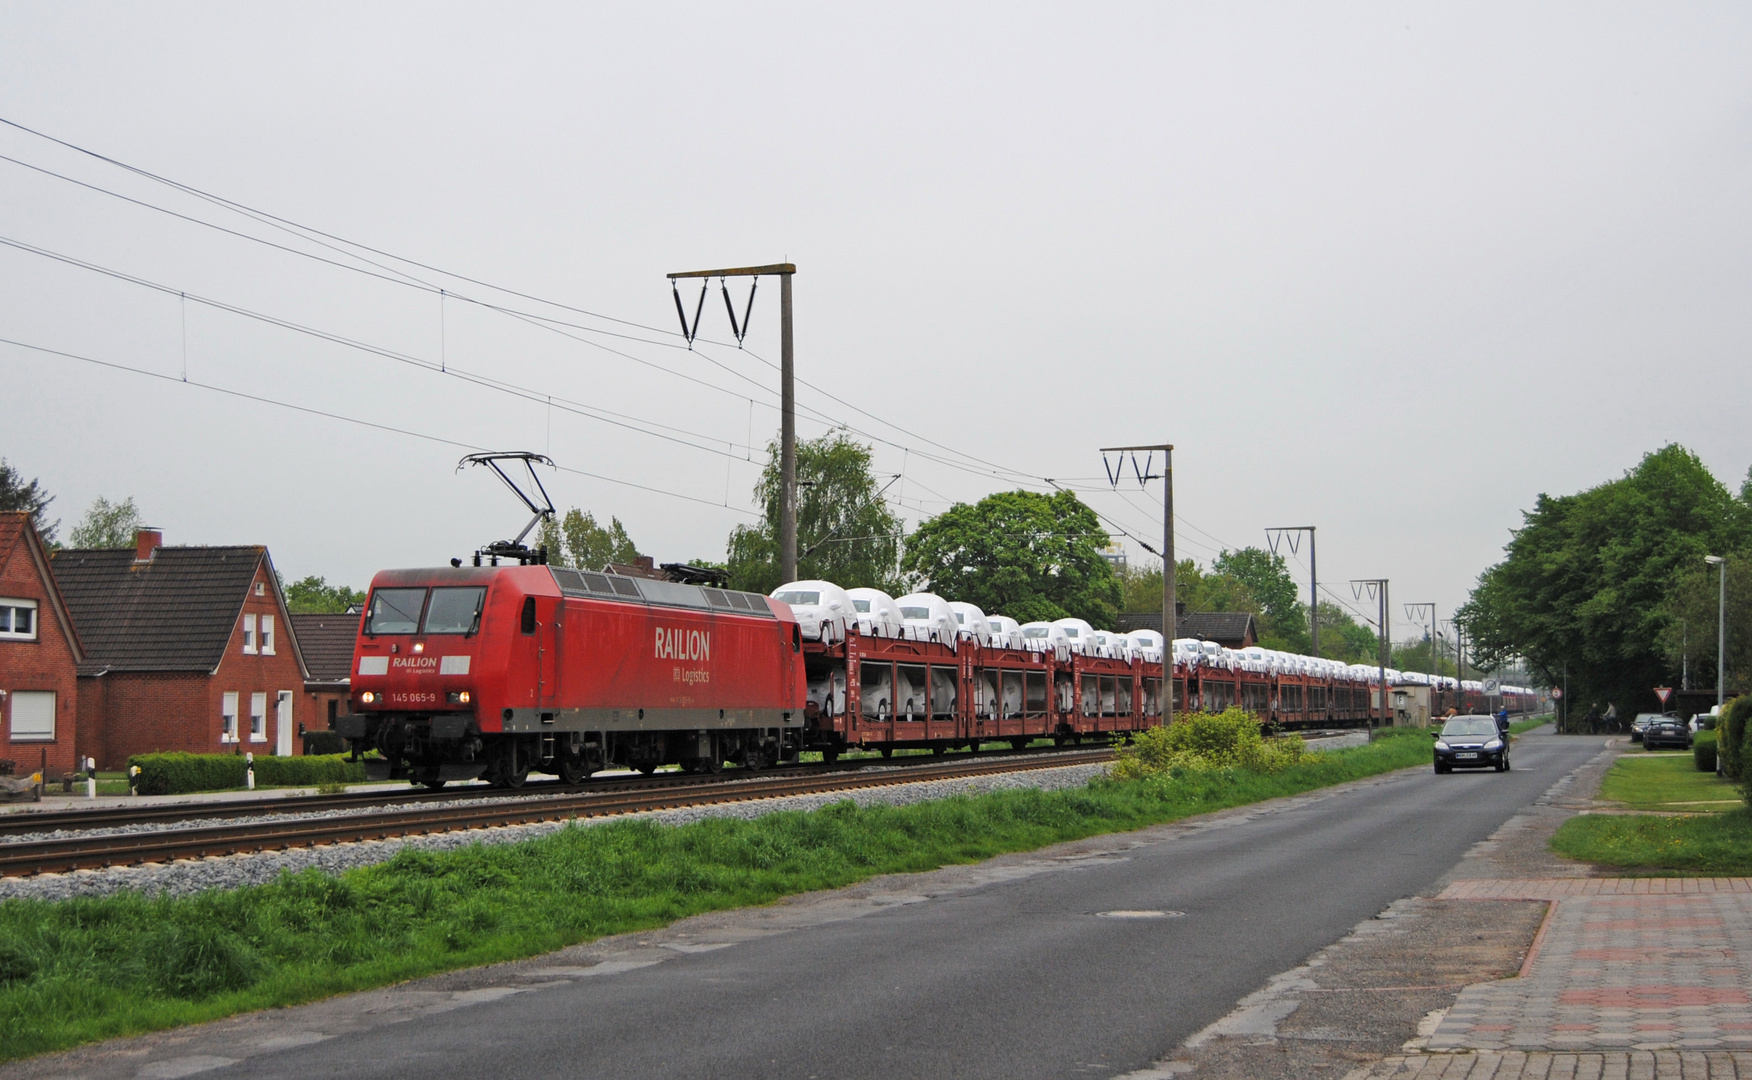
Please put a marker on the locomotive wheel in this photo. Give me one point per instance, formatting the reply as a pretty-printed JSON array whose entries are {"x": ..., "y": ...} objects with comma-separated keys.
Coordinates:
[
  {"x": 646, "y": 767},
  {"x": 573, "y": 770},
  {"x": 516, "y": 776}
]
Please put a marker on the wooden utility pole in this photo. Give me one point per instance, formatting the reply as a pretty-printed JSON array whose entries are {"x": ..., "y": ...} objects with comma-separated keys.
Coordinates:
[
  {"x": 787, "y": 396},
  {"x": 1168, "y": 567}
]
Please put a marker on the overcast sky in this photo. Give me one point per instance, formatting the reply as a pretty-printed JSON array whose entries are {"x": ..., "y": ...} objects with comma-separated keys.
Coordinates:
[{"x": 1390, "y": 270}]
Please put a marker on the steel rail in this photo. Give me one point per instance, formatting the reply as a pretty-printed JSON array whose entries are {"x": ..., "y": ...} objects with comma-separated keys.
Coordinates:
[
  {"x": 92, "y": 852},
  {"x": 35, "y": 821}
]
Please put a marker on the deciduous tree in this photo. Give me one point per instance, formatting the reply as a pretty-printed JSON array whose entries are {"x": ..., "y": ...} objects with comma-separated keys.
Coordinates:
[
  {"x": 106, "y": 525},
  {"x": 577, "y": 540},
  {"x": 313, "y": 595},
  {"x": 845, "y": 532},
  {"x": 1588, "y": 578},
  {"x": 1019, "y": 553}
]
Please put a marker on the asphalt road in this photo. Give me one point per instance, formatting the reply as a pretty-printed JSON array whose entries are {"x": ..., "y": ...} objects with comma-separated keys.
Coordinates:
[{"x": 1015, "y": 978}]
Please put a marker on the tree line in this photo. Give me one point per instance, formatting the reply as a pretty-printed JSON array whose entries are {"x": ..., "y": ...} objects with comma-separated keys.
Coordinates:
[{"x": 1608, "y": 588}]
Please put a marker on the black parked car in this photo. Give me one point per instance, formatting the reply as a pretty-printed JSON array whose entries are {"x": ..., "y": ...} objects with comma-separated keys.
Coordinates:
[
  {"x": 1471, "y": 742},
  {"x": 1667, "y": 731}
]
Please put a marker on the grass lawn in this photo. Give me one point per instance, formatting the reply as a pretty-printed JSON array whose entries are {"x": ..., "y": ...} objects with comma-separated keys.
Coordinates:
[
  {"x": 1667, "y": 780},
  {"x": 1706, "y": 845},
  {"x": 1710, "y": 835},
  {"x": 78, "y": 970}
]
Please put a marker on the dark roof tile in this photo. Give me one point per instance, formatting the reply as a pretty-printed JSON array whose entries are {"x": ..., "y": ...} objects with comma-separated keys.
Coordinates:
[
  {"x": 327, "y": 644},
  {"x": 174, "y": 613}
]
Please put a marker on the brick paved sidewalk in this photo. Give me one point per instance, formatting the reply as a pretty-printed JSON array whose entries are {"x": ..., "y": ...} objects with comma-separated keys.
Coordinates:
[{"x": 1629, "y": 977}]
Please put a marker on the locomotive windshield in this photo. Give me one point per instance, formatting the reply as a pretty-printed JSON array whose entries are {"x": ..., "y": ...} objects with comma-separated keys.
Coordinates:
[
  {"x": 395, "y": 611},
  {"x": 455, "y": 611}
]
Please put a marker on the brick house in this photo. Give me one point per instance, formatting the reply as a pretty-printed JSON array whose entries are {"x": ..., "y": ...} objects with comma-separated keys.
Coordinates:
[
  {"x": 186, "y": 648},
  {"x": 326, "y": 643},
  {"x": 40, "y": 653}
]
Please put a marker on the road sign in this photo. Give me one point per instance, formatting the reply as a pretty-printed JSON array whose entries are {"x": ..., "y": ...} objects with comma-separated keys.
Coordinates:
[
  {"x": 1663, "y": 692},
  {"x": 1557, "y": 693},
  {"x": 1491, "y": 686}
]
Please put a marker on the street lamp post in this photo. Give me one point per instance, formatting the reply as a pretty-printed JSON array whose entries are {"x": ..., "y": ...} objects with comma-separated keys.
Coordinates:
[{"x": 1721, "y": 629}]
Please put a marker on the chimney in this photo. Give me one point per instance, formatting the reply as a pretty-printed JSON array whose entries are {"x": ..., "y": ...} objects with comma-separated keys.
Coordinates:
[{"x": 146, "y": 544}]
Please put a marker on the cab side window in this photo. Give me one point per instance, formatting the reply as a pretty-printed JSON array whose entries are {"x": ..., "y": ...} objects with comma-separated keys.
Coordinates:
[{"x": 529, "y": 614}]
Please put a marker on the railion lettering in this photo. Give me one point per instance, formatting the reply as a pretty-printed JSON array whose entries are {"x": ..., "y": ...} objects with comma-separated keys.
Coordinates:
[{"x": 677, "y": 643}]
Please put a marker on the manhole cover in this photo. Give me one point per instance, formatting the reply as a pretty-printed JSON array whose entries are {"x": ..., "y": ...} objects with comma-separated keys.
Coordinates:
[{"x": 1140, "y": 914}]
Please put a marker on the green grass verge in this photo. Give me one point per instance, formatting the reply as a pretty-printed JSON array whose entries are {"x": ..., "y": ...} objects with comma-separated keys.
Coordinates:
[
  {"x": 1667, "y": 781},
  {"x": 1529, "y": 724},
  {"x": 78, "y": 970},
  {"x": 1700, "y": 844}
]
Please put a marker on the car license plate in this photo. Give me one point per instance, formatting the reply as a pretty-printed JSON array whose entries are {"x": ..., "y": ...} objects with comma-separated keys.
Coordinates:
[{"x": 1466, "y": 755}]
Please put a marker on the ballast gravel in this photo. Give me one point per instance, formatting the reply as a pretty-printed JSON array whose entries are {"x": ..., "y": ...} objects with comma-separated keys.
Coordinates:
[{"x": 190, "y": 876}]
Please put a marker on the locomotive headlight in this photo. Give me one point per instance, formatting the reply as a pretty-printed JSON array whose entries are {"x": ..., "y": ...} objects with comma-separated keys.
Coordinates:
[
  {"x": 368, "y": 697},
  {"x": 459, "y": 697},
  {"x": 419, "y": 646}
]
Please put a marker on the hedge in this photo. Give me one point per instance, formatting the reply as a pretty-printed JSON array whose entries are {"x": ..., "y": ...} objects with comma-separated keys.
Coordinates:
[
  {"x": 1703, "y": 751},
  {"x": 178, "y": 773},
  {"x": 1731, "y": 735}
]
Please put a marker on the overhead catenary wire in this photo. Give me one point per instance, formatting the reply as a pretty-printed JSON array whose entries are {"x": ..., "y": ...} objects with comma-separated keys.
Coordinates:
[
  {"x": 617, "y": 419},
  {"x": 390, "y": 274},
  {"x": 375, "y": 425}
]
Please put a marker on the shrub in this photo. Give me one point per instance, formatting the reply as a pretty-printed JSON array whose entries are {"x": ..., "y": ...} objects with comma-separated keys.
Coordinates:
[
  {"x": 177, "y": 773},
  {"x": 309, "y": 771},
  {"x": 1225, "y": 740},
  {"x": 1731, "y": 735},
  {"x": 1703, "y": 751}
]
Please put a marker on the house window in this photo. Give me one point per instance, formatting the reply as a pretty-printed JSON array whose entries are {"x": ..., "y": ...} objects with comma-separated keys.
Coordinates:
[
  {"x": 249, "y": 631},
  {"x": 267, "y": 635},
  {"x": 18, "y": 619},
  {"x": 228, "y": 717},
  {"x": 33, "y": 715},
  {"x": 258, "y": 718},
  {"x": 261, "y": 589}
]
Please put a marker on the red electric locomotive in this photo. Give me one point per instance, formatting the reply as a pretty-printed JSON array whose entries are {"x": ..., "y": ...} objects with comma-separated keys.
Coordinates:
[{"x": 464, "y": 672}]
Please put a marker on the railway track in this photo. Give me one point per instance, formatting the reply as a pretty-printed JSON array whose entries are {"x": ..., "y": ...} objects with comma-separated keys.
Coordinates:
[
  {"x": 64, "y": 854},
  {"x": 36, "y": 821}
]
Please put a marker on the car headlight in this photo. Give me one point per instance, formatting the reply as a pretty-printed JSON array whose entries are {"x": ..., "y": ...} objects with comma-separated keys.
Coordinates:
[
  {"x": 1440, "y": 745},
  {"x": 1494, "y": 744}
]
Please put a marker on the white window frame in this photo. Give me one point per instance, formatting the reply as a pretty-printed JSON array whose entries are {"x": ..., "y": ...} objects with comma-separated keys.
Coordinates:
[
  {"x": 267, "y": 635},
  {"x": 261, "y": 588},
  {"x": 258, "y": 717},
  {"x": 8, "y": 604},
  {"x": 249, "y": 634},
  {"x": 33, "y": 696},
  {"x": 228, "y": 717}
]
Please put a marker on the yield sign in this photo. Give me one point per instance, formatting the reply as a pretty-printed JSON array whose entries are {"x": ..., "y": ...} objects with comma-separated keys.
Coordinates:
[{"x": 1664, "y": 692}]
